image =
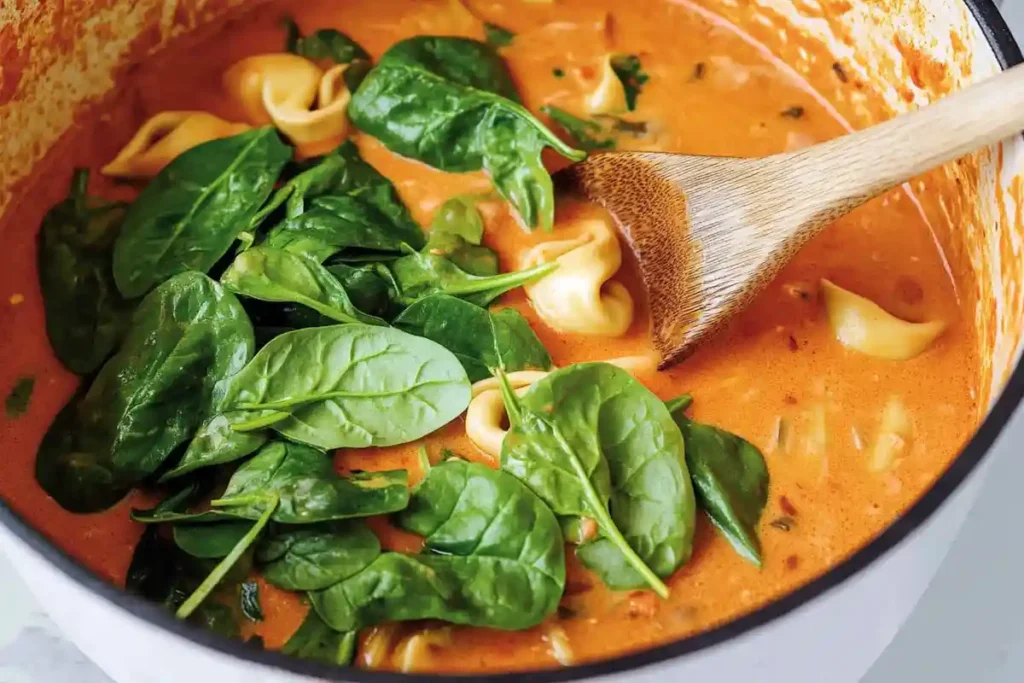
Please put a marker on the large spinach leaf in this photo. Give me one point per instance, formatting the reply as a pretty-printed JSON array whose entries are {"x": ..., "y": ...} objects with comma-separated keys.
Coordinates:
[
  {"x": 350, "y": 386},
  {"x": 276, "y": 275},
  {"x": 368, "y": 291},
  {"x": 209, "y": 541},
  {"x": 421, "y": 274},
  {"x": 593, "y": 442},
  {"x": 313, "y": 558},
  {"x": 193, "y": 210},
  {"x": 186, "y": 336},
  {"x": 336, "y": 223},
  {"x": 344, "y": 174},
  {"x": 493, "y": 557},
  {"x": 451, "y": 103},
  {"x": 308, "y": 489},
  {"x": 316, "y": 641},
  {"x": 731, "y": 480},
  {"x": 85, "y": 314},
  {"x": 216, "y": 443},
  {"x": 480, "y": 339}
]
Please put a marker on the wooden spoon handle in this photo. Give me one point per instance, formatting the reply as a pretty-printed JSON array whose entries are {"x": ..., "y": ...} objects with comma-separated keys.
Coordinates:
[{"x": 846, "y": 171}]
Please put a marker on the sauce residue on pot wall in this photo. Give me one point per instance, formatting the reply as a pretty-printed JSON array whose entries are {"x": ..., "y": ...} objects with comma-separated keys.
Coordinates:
[{"x": 777, "y": 365}]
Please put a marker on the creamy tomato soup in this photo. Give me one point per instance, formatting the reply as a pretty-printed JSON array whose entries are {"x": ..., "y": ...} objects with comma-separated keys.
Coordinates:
[{"x": 850, "y": 440}]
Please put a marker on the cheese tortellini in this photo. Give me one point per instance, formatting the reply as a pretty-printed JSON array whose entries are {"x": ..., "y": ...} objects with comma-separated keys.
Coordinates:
[
  {"x": 486, "y": 417},
  {"x": 163, "y": 137},
  {"x": 580, "y": 297},
  {"x": 864, "y": 326},
  {"x": 305, "y": 103},
  {"x": 609, "y": 97}
]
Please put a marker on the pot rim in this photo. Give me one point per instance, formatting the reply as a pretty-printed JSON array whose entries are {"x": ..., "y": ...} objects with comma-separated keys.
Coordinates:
[{"x": 1007, "y": 54}]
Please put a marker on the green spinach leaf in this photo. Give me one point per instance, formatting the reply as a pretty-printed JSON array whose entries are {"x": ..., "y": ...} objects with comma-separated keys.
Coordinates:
[
  {"x": 16, "y": 403},
  {"x": 276, "y": 275},
  {"x": 187, "y": 335},
  {"x": 498, "y": 36},
  {"x": 731, "y": 481},
  {"x": 630, "y": 71},
  {"x": 216, "y": 443},
  {"x": 316, "y": 641},
  {"x": 85, "y": 314},
  {"x": 422, "y": 274},
  {"x": 451, "y": 103},
  {"x": 313, "y": 558},
  {"x": 327, "y": 43},
  {"x": 593, "y": 442},
  {"x": 480, "y": 339},
  {"x": 493, "y": 557},
  {"x": 249, "y": 601},
  {"x": 188, "y": 216},
  {"x": 368, "y": 291},
  {"x": 586, "y": 133},
  {"x": 350, "y": 386},
  {"x": 209, "y": 541},
  {"x": 308, "y": 489},
  {"x": 456, "y": 233}
]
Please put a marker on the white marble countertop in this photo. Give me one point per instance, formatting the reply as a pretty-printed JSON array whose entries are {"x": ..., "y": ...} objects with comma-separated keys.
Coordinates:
[{"x": 968, "y": 626}]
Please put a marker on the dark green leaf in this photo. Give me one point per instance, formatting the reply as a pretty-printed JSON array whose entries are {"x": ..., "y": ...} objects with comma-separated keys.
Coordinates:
[
  {"x": 586, "y": 133},
  {"x": 351, "y": 386},
  {"x": 151, "y": 573},
  {"x": 85, "y": 314},
  {"x": 420, "y": 275},
  {"x": 493, "y": 557},
  {"x": 318, "y": 642},
  {"x": 249, "y": 601},
  {"x": 188, "y": 216},
  {"x": 451, "y": 103},
  {"x": 498, "y": 36},
  {"x": 593, "y": 442},
  {"x": 480, "y": 339},
  {"x": 344, "y": 174},
  {"x": 456, "y": 233},
  {"x": 313, "y": 558},
  {"x": 217, "y": 617},
  {"x": 276, "y": 275},
  {"x": 149, "y": 398},
  {"x": 327, "y": 43},
  {"x": 217, "y": 443},
  {"x": 630, "y": 71},
  {"x": 209, "y": 541},
  {"x": 731, "y": 480},
  {"x": 16, "y": 403},
  {"x": 368, "y": 291},
  {"x": 308, "y": 487}
]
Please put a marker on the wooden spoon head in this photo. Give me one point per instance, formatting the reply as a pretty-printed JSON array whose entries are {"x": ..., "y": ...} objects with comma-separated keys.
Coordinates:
[{"x": 701, "y": 254}]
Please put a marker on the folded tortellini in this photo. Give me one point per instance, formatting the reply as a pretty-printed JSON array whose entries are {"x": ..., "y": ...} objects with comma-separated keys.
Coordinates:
[
  {"x": 306, "y": 104},
  {"x": 609, "y": 97},
  {"x": 163, "y": 137},
  {"x": 486, "y": 417},
  {"x": 864, "y": 326},
  {"x": 580, "y": 297}
]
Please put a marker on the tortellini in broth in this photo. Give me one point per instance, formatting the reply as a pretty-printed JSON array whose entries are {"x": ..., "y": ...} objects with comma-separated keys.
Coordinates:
[{"x": 580, "y": 297}]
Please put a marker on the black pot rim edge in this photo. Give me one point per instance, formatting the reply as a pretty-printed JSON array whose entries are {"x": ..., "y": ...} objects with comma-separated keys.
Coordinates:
[{"x": 1007, "y": 53}]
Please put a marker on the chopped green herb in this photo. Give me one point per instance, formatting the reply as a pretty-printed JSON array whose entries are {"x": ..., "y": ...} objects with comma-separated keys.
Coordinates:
[
  {"x": 558, "y": 73},
  {"x": 585, "y": 133},
  {"x": 17, "y": 401},
  {"x": 498, "y": 36},
  {"x": 249, "y": 598},
  {"x": 630, "y": 71},
  {"x": 793, "y": 112},
  {"x": 635, "y": 128}
]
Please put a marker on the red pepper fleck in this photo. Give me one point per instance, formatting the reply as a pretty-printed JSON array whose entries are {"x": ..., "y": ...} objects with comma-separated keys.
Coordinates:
[
  {"x": 787, "y": 506},
  {"x": 793, "y": 346},
  {"x": 792, "y": 562},
  {"x": 790, "y": 399}
]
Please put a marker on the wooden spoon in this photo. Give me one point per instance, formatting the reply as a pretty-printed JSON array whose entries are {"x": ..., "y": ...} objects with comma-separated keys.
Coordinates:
[{"x": 711, "y": 232}]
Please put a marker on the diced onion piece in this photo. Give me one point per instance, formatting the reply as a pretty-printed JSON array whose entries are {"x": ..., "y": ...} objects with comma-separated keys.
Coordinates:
[
  {"x": 895, "y": 433},
  {"x": 863, "y": 325},
  {"x": 558, "y": 640},
  {"x": 609, "y": 96},
  {"x": 816, "y": 437},
  {"x": 329, "y": 121},
  {"x": 289, "y": 81},
  {"x": 580, "y": 297},
  {"x": 163, "y": 137}
]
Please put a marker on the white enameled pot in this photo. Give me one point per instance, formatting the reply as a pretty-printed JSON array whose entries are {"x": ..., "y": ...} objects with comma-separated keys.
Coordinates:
[{"x": 829, "y": 630}]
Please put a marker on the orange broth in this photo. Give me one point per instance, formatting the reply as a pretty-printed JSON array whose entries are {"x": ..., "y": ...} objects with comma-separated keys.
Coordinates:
[{"x": 709, "y": 93}]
